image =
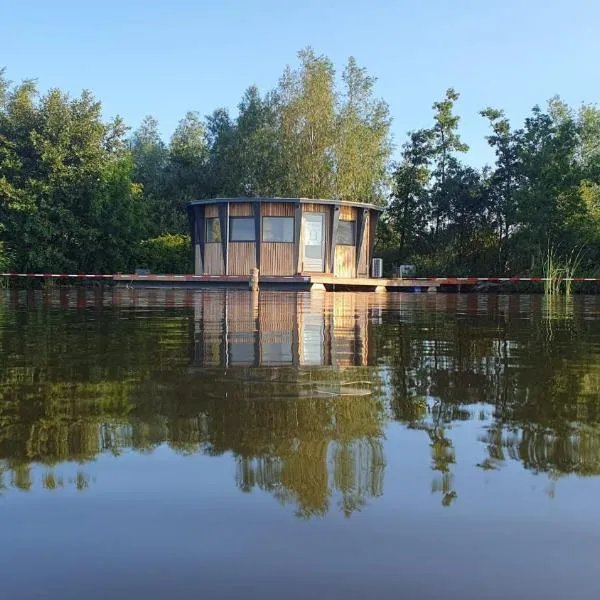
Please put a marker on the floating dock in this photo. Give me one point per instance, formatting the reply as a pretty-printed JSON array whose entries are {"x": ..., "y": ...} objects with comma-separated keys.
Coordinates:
[
  {"x": 295, "y": 282},
  {"x": 307, "y": 282}
]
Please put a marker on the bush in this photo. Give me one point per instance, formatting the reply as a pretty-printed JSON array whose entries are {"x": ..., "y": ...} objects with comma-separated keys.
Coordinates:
[
  {"x": 5, "y": 262},
  {"x": 168, "y": 253}
]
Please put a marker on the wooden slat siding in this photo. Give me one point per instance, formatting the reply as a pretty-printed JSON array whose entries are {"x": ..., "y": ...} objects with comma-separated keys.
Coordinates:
[
  {"x": 335, "y": 219},
  {"x": 345, "y": 261},
  {"x": 363, "y": 259},
  {"x": 241, "y": 209},
  {"x": 274, "y": 209},
  {"x": 242, "y": 258},
  {"x": 373, "y": 218},
  {"x": 278, "y": 258},
  {"x": 224, "y": 219},
  {"x": 200, "y": 235},
  {"x": 211, "y": 211},
  {"x": 298, "y": 238},
  {"x": 361, "y": 222},
  {"x": 348, "y": 213},
  {"x": 213, "y": 259},
  {"x": 322, "y": 208},
  {"x": 257, "y": 233}
]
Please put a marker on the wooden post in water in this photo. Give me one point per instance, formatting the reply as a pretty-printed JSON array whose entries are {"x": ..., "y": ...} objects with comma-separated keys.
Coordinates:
[{"x": 254, "y": 279}]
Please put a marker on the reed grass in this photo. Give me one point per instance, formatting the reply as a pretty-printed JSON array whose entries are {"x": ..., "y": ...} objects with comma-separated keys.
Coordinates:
[{"x": 559, "y": 271}]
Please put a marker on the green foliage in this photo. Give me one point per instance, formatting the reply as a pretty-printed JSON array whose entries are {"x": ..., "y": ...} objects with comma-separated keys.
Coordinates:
[
  {"x": 168, "y": 253},
  {"x": 5, "y": 263},
  {"x": 542, "y": 191},
  {"x": 77, "y": 195}
]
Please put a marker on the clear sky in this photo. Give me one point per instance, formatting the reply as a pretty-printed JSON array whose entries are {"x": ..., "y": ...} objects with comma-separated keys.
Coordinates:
[{"x": 164, "y": 58}]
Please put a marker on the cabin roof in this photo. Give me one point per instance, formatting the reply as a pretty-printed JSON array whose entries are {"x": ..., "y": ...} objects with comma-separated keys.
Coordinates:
[{"x": 261, "y": 199}]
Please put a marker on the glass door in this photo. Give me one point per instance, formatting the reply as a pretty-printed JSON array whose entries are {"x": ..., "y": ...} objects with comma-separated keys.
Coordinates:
[{"x": 313, "y": 226}]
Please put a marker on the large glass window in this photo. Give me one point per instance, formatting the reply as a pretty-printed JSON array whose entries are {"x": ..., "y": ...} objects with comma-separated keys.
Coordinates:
[
  {"x": 346, "y": 233},
  {"x": 278, "y": 229},
  {"x": 241, "y": 229},
  {"x": 213, "y": 230}
]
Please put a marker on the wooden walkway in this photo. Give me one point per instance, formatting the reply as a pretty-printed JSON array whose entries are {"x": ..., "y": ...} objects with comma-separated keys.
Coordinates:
[
  {"x": 307, "y": 281},
  {"x": 312, "y": 281}
]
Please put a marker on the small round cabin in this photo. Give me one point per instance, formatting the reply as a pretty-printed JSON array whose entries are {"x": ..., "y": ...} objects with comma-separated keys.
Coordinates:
[{"x": 282, "y": 237}]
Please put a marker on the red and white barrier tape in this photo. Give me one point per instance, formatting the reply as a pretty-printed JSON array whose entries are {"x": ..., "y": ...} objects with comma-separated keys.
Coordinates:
[{"x": 174, "y": 277}]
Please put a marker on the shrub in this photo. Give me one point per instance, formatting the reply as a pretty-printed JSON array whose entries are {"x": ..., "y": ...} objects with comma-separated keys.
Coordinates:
[{"x": 168, "y": 253}]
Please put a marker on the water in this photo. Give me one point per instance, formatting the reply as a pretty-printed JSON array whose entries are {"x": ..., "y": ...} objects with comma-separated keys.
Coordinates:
[{"x": 161, "y": 444}]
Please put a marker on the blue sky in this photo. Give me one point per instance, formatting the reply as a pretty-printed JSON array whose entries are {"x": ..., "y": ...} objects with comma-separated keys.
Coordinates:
[{"x": 164, "y": 58}]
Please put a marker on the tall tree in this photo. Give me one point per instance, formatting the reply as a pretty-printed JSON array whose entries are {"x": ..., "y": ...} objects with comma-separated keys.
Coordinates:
[
  {"x": 409, "y": 206},
  {"x": 503, "y": 181},
  {"x": 308, "y": 126},
  {"x": 446, "y": 143},
  {"x": 363, "y": 145},
  {"x": 185, "y": 173}
]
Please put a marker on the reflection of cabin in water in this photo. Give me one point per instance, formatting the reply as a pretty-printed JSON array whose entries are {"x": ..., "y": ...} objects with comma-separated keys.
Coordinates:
[
  {"x": 235, "y": 329},
  {"x": 284, "y": 238}
]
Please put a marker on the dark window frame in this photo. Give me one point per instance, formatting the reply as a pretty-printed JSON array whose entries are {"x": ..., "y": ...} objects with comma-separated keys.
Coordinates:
[
  {"x": 292, "y": 219},
  {"x": 337, "y": 241},
  {"x": 209, "y": 221},
  {"x": 247, "y": 218}
]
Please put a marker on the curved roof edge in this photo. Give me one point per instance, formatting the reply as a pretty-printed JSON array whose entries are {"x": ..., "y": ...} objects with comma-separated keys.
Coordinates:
[{"x": 290, "y": 200}]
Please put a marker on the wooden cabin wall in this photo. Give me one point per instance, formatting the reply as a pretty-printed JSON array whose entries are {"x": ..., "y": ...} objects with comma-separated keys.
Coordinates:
[
  {"x": 277, "y": 258},
  {"x": 345, "y": 261},
  {"x": 210, "y": 211},
  {"x": 241, "y": 209},
  {"x": 213, "y": 259},
  {"x": 347, "y": 213},
  {"x": 242, "y": 258},
  {"x": 363, "y": 262},
  {"x": 213, "y": 252},
  {"x": 345, "y": 256},
  {"x": 372, "y": 231},
  {"x": 275, "y": 209}
]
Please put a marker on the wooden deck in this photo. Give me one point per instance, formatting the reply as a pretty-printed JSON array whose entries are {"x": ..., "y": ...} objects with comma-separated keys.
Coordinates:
[{"x": 308, "y": 281}]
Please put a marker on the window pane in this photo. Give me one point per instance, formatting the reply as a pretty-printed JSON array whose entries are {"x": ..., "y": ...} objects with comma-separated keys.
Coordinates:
[
  {"x": 346, "y": 233},
  {"x": 278, "y": 229},
  {"x": 213, "y": 230},
  {"x": 242, "y": 229}
]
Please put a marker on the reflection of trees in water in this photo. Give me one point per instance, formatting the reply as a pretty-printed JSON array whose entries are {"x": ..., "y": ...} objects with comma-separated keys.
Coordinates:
[
  {"x": 287, "y": 438},
  {"x": 308, "y": 473},
  {"x": 291, "y": 430},
  {"x": 310, "y": 435},
  {"x": 543, "y": 392}
]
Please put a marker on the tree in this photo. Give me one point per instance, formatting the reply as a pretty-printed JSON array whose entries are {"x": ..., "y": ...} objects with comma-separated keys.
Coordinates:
[
  {"x": 445, "y": 143},
  {"x": 185, "y": 173},
  {"x": 363, "y": 144},
  {"x": 503, "y": 181},
  {"x": 409, "y": 207},
  {"x": 307, "y": 102}
]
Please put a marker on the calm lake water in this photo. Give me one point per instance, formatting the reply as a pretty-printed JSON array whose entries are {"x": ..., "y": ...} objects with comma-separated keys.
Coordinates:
[{"x": 212, "y": 444}]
